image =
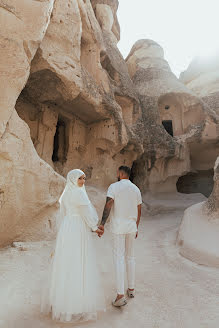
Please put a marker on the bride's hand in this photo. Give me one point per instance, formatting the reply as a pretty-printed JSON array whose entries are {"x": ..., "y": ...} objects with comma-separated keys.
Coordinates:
[
  {"x": 99, "y": 232},
  {"x": 101, "y": 227}
]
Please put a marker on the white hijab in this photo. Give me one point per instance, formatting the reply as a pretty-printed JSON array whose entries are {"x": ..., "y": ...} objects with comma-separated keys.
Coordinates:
[
  {"x": 72, "y": 191},
  {"x": 73, "y": 195}
]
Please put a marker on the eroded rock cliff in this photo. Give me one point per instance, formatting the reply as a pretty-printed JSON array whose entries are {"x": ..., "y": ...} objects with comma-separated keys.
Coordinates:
[
  {"x": 69, "y": 99},
  {"x": 180, "y": 130},
  {"x": 29, "y": 187},
  {"x": 62, "y": 73},
  {"x": 198, "y": 235}
]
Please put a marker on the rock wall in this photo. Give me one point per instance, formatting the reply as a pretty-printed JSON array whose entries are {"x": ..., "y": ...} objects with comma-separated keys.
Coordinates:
[
  {"x": 202, "y": 77},
  {"x": 198, "y": 235},
  {"x": 68, "y": 99},
  {"x": 63, "y": 73},
  {"x": 79, "y": 100},
  {"x": 29, "y": 187},
  {"x": 180, "y": 131}
]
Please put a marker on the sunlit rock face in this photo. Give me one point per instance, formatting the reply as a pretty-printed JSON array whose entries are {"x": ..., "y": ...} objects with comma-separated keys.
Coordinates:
[
  {"x": 202, "y": 77},
  {"x": 70, "y": 100},
  {"x": 198, "y": 237},
  {"x": 180, "y": 131},
  {"x": 79, "y": 100},
  {"x": 75, "y": 107},
  {"x": 106, "y": 14},
  {"x": 29, "y": 187},
  {"x": 19, "y": 42}
]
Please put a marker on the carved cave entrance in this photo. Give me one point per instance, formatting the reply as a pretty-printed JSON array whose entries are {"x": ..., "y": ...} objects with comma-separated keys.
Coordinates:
[
  {"x": 60, "y": 142},
  {"x": 199, "y": 182},
  {"x": 139, "y": 172},
  {"x": 168, "y": 126}
]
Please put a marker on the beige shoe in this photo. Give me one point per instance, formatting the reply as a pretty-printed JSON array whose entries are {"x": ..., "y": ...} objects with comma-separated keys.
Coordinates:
[
  {"x": 131, "y": 293},
  {"x": 121, "y": 302}
]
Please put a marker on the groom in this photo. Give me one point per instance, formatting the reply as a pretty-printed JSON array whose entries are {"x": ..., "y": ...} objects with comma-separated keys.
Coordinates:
[{"x": 124, "y": 198}]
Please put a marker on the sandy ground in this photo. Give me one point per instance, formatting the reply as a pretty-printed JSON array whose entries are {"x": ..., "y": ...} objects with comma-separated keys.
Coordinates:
[{"x": 171, "y": 292}]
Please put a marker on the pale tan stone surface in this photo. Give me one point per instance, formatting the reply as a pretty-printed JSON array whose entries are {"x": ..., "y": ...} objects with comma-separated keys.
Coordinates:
[
  {"x": 61, "y": 69},
  {"x": 19, "y": 42},
  {"x": 202, "y": 77},
  {"x": 80, "y": 81},
  {"x": 198, "y": 235},
  {"x": 103, "y": 8},
  {"x": 29, "y": 188},
  {"x": 194, "y": 145}
]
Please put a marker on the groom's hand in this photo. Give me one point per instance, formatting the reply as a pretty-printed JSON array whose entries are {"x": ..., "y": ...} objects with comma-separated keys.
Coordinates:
[
  {"x": 101, "y": 227},
  {"x": 99, "y": 232}
]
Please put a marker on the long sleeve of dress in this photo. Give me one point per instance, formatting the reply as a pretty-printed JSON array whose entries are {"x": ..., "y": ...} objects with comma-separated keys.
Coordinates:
[
  {"x": 90, "y": 216},
  {"x": 61, "y": 214}
]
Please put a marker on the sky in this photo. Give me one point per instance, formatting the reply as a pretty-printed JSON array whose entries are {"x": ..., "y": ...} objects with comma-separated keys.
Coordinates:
[{"x": 184, "y": 28}]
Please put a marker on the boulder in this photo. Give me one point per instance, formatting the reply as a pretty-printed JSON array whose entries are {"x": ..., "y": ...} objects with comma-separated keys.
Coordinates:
[{"x": 198, "y": 237}]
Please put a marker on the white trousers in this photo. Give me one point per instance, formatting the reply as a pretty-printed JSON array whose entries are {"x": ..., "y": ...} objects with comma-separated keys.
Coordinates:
[{"x": 123, "y": 249}]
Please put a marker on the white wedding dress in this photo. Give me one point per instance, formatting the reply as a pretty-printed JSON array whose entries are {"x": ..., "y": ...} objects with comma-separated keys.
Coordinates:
[{"x": 74, "y": 290}]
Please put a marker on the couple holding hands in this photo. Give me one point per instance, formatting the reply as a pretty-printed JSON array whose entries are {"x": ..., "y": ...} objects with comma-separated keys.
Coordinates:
[{"x": 75, "y": 292}]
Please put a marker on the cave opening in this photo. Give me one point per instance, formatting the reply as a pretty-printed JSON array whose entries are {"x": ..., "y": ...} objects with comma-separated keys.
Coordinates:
[
  {"x": 133, "y": 172},
  {"x": 60, "y": 142},
  {"x": 168, "y": 126},
  {"x": 138, "y": 172},
  {"x": 198, "y": 182}
]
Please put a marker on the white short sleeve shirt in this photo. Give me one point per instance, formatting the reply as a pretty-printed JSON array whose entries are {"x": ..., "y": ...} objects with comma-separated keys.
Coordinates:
[{"x": 124, "y": 213}]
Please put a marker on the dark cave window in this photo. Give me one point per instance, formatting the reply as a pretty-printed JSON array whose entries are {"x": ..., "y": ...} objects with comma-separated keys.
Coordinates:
[
  {"x": 196, "y": 182},
  {"x": 167, "y": 107},
  {"x": 132, "y": 175},
  {"x": 59, "y": 144},
  {"x": 168, "y": 126},
  {"x": 136, "y": 172}
]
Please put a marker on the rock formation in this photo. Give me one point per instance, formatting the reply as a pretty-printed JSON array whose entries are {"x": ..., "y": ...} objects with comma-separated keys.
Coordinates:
[
  {"x": 198, "y": 235},
  {"x": 29, "y": 187},
  {"x": 79, "y": 100},
  {"x": 68, "y": 99},
  {"x": 62, "y": 72},
  {"x": 199, "y": 231},
  {"x": 190, "y": 142},
  {"x": 202, "y": 77}
]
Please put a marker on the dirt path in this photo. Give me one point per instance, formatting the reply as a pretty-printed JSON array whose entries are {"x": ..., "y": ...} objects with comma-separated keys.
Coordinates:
[{"x": 171, "y": 292}]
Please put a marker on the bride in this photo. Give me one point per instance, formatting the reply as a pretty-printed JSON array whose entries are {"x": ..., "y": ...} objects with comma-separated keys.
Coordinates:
[{"x": 74, "y": 292}]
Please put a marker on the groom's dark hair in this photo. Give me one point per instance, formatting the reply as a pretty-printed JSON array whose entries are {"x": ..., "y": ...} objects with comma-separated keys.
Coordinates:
[{"x": 125, "y": 169}]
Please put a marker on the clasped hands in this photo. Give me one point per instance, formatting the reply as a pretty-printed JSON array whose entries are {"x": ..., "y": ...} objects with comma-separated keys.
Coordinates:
[{"x": 100, "y": 230}]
